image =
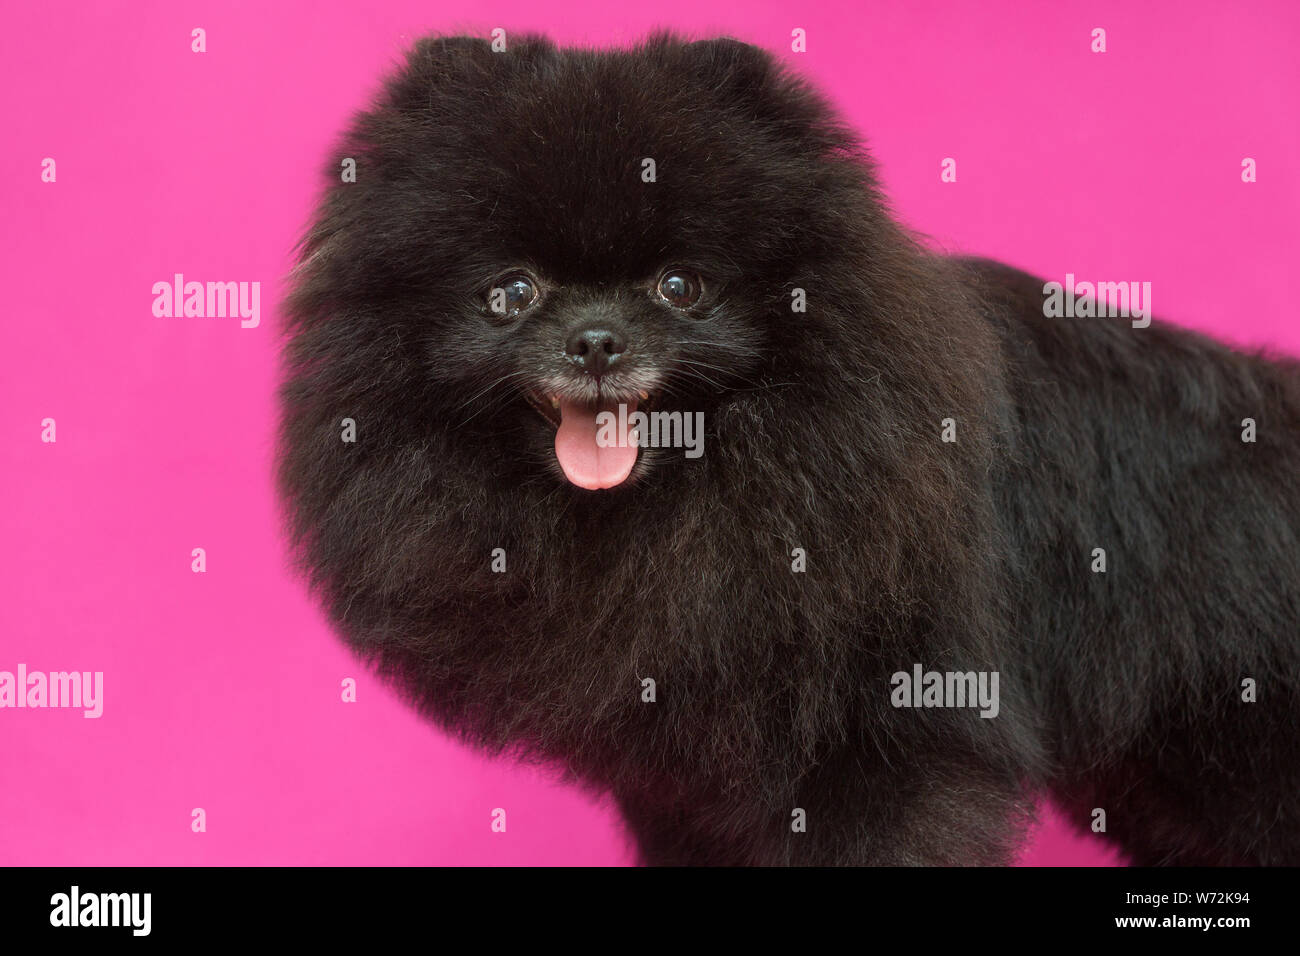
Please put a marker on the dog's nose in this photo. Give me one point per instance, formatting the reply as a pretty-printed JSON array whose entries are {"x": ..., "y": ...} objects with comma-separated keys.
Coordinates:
[{"x": 594, "y": 349}]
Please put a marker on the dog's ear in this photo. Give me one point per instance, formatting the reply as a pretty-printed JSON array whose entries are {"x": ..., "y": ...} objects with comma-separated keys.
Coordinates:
[
  {"x": 447, "y": 48},
  {"x": 747, "y": 78},
  {"x": 439, "y": 65},
  {"x": 731, "y": 65}
]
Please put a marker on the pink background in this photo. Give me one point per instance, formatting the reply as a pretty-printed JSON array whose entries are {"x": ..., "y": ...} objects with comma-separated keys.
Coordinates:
[{"x": 222, "y": 690}]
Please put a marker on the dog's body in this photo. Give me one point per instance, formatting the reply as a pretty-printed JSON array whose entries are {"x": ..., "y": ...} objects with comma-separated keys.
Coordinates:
[
  {"x": 1135, "y": 437},
  {"x": 713, "y": 641}
]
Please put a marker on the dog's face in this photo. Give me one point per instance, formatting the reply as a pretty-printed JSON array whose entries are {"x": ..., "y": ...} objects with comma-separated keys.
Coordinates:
[
  {"x": 558, "y": 234},
  {"x": 576, "y": 342}
]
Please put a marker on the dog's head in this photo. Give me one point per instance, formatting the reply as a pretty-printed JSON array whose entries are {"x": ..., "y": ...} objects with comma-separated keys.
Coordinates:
[
  {"x": 537, "y": 244},
  {"x": 517, "y": 243}
]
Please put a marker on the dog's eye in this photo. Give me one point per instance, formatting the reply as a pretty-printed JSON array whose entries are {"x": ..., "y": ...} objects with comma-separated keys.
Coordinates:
[
  {"x": 511, "y": 294},
  {"x": 679, "y": 288}
]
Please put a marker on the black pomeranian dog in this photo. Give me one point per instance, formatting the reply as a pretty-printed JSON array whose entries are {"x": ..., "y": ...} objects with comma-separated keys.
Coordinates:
[{"x": 624, "y": 430}]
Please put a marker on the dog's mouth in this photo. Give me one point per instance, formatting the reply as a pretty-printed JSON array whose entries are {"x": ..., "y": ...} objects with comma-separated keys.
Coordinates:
[{"x": 596, "y": 441}]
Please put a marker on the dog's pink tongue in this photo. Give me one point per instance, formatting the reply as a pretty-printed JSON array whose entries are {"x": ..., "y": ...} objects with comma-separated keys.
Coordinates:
[{"x": 586, "y": 462}]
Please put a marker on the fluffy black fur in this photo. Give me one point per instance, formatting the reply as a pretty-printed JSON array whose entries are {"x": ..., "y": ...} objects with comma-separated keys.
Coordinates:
[{"x": 1119, "y": 691}]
